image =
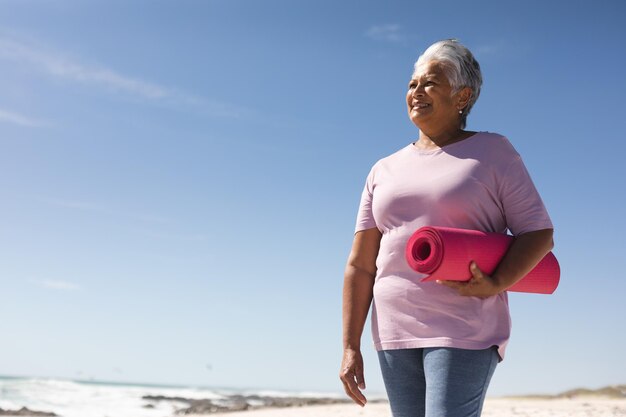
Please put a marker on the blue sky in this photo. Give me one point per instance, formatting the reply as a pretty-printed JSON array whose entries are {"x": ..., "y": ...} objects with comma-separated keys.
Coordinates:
[{"x": 180, "y": 180}]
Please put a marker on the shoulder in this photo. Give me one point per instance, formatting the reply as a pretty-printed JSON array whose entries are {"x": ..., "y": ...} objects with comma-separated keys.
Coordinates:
[
  {"x": 495, "y": 146},
  {"x": 497, "y": 142}
]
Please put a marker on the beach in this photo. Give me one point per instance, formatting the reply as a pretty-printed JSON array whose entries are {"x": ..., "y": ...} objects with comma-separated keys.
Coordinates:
[
  {"x": 494, "y": 407},
  {"x": 66, "y": 398}
]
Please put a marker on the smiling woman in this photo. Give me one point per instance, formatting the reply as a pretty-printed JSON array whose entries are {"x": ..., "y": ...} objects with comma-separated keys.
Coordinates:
[
  {"x": 450, "y": 83},
  {"x": 432, "y": 101},
  {"x": 438, "y": 343}
]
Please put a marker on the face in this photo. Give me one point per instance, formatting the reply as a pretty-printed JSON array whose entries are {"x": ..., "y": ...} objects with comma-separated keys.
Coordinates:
[{"x": 430, "y": 100}]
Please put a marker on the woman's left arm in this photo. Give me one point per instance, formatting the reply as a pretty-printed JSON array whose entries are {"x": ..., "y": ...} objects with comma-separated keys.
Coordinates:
[{"x": 523, "y": 255}]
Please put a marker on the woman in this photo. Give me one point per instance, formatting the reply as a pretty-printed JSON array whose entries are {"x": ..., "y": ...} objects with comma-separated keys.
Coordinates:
[{"x": 438, "y": 343}]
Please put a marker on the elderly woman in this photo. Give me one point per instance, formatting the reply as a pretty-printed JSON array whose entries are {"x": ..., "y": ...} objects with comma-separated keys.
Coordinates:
[{"x": 438, "y": 343}]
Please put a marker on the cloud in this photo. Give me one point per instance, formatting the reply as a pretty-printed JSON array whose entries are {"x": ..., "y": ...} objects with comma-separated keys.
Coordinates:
[
  {"x": 64, "y": 68},
  {"x": 59, "y": 285},
  {"x": 386, "y": 33},
  {"x": 194, "y": 237},
  {"x": 96, "y": 208},
  {"x": 74, "y": 204},
  {"x": 19, "y": 119},
  {"x": 56, "y": 65}
]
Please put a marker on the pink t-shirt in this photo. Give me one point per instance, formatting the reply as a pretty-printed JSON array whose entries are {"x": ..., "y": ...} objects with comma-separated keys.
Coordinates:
[{"x": 479, "y": 183}]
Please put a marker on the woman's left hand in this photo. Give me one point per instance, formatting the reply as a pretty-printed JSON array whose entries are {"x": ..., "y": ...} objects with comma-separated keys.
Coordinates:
[{"x": 480, "y": 285}]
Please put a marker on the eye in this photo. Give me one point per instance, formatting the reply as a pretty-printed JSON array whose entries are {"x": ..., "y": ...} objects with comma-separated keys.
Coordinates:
[{"x": 412, "y": 86}]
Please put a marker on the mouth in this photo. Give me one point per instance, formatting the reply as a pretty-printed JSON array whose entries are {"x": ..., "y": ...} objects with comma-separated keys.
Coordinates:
[{"x": 419, "y": 105}]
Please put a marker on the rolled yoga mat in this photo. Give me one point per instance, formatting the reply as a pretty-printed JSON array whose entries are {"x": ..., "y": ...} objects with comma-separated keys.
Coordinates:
[{"x": 445, "y": 254}]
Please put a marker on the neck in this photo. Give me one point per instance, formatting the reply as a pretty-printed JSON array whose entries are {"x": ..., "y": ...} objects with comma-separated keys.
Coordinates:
[{"x": 442, "y": 137}]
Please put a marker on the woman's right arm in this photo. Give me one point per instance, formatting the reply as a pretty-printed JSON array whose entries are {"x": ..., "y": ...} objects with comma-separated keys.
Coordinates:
[{"x": 358, "y": 289}]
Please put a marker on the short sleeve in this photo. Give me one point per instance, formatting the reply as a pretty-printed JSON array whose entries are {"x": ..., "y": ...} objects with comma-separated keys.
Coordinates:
[
  {"x": 365, "y": 216},
  {"x": 523, "y": 208}
]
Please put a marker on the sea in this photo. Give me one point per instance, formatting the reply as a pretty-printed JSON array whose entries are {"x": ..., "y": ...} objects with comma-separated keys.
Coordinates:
[{"x": 71, "y": 398}]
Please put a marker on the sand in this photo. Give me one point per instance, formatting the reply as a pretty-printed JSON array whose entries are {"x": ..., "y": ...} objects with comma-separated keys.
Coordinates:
[
  {"x": 500, "y": 407},
  {"x": 578, "y": 407}
]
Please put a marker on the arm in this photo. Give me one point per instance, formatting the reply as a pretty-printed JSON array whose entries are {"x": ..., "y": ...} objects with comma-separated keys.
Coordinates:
[
  {"x": 523, "y": 255},
  {"x": 357, "y": 296}
]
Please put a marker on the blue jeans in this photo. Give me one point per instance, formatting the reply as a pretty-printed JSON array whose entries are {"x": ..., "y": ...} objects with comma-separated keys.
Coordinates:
[{"x": 437, "y": 382}]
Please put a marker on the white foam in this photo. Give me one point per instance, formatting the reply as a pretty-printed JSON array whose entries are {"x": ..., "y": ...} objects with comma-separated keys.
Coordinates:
[
  {"x": 93, "y": 399},
  {"x": 75, "y": 399}
]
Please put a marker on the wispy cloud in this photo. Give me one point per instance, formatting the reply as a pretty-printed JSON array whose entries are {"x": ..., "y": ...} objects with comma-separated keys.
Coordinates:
[
  {"x": 101, "y": 209},
  {"x": 62, "y": 67},
  {"x": 74, "y": 204},
  {"x": 58, "y": 285},
  {"x": 19, "y": 119},
  {"x": 197, "y": 237},
  {"x": 386, "y": 33},
  {"x": 57, "y": 65}
]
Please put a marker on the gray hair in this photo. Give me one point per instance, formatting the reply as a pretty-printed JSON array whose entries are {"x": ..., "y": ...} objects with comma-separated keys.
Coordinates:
[{"x": 460, "y": 67}]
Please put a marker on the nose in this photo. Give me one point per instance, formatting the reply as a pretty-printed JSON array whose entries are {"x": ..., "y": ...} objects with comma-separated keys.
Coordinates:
[{"x": 418, "y": 91}]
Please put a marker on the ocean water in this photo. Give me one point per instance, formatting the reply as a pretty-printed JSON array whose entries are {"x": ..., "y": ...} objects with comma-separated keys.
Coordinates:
[{"x": 99, "y": 399}]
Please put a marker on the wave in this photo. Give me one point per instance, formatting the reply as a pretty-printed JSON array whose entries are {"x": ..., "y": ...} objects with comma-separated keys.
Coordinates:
[{"x": 69, "y": 398}]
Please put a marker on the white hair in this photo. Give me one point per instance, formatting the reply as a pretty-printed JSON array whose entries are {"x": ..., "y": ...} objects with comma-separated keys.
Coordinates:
[{"x": 460, "y": 67}]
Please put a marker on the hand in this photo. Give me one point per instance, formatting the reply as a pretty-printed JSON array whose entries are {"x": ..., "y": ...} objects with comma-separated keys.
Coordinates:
[
  {"x": 351, "y": 375},
  {"x": 480, "y": 285}
]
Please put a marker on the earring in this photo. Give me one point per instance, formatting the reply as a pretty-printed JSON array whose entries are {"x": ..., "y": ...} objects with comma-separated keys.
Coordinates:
[{"x": 461, "y": 111}]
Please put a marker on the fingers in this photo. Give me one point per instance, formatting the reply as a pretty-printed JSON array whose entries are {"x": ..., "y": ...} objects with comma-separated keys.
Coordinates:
[
  {"x": 462, "y": 287},
  {"x": 476, "y": 271},
  {"x": 457, "y": 285},
  {"x": 477, "y": 275},
  {"x": 480, "y": 285},
  {"x": 351, "y": 376},
  {"x": 467, "y": 288},
  {"x": 360, "y": 380},
  {"x": 351, "y": 386}
]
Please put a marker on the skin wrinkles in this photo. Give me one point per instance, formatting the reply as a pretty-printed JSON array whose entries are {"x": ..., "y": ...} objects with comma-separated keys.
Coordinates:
[{"x": 434, "y": 108}]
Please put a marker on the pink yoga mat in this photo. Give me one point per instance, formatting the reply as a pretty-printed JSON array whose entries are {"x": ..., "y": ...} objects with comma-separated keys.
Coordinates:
[{"x": 445, "y": 254}]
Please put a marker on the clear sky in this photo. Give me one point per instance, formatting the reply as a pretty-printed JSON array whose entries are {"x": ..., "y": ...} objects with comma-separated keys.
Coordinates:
[{"x": 179, "y": 180}]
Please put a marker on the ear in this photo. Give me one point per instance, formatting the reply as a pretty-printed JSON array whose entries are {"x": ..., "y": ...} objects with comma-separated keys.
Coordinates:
[{"x": 464, "y": 97}]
